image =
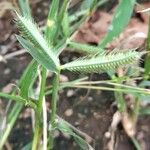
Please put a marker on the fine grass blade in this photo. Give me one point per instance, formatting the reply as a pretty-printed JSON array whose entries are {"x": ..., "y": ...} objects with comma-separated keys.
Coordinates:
[
  {"x": 145, "y": 111},
  {"x": 41, "y": 56},
  {"x": 53, "y": 12},
  {"x": 120, "y": 20},
  {"x": 25, "y": 8},
  {"x": 66, "y": 25},
  {"x": 147, "y": 58},
  {"x": 58, "y": 49},
  {"x": 136, "y": 143},
  {"x": 61, "y": 15},
  {"x": 51, "y": 26},
  {"x": 64, "y": 127},
  {"x": 28, "y": 77},
  {"x": 88, "y": 4},
  {"x": 94, "y": 4},
  {"x": 27, "y": 147},
  {"x": 18, "y": 99},
  {"x": 83, "y": 13},
  {"x": 85, "y": 48},
  {"x": 64, "y": 85},
  {"x": 132, "y": 91}
]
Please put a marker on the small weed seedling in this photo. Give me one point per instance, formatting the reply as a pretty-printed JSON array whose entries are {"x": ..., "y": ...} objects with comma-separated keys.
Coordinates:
[{"x": 45, "y": 48}]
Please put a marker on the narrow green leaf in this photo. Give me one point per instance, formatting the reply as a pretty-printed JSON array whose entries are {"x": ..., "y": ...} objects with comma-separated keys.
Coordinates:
[
  {"x": 145, "y": 98},
  {"x": 65, "y": 24},
  {"x": 41, "y": 56},
  {"x": 132, "y": 91},
  {"x": 145, "y": 111},
  {"x": 31, "y": 33},
  {"x": 63, "y": 9},
  {"x": 64, "y": 128},
  {"x": 120, "y": 20},
  {"x": 64, "y": 85},
  {"x": 147, "y": 58},
  {"x": 25, "y": 8},
  {"x": 77, "y": 18},
  {"x": 61, "y": 15},
  {"x": 144, "y": 84},
  {"x": 94, "y": 4},
  {"x": 86, "y": 4},
  {"x": 15, "y": 110},
  {"x": 54, "y": 6},
  {"x": 51, "y": 26},
  {"x": 84, "y": 11},
  {"x": 136, "y": 143},
  {"x": 58, "y": 49},
  {"x": 29, "y": 77},
  {"x": 85, "y": 48},
  {"x": 103, "y": 62},
  {"x": 27, "y": 147},
  {"x": 18, "y": 99}
]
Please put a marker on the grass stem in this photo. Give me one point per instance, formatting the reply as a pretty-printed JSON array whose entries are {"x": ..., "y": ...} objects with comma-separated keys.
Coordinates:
[
  {"x": 38, "y": 123},
  {"x": 37, "y": 133},
  {"x": 147, "y": 62},
  {"x": 15, "y": 112},
  {"x": 54, "y": 106}
]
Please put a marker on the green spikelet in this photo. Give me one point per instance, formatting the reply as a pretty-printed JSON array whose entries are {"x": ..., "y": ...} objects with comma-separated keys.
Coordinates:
[{"x": 102, "y": 62}]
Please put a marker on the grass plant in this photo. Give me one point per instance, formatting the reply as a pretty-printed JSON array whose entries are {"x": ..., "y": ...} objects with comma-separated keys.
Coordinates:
[{"x": 46, "y": 47}]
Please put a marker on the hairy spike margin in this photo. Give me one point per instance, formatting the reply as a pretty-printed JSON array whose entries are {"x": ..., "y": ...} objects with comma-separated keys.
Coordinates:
[
  {"x": 32, "y": 37},
  {"x": 29, "y": 30},
  {"x": 103, "y": 63}
]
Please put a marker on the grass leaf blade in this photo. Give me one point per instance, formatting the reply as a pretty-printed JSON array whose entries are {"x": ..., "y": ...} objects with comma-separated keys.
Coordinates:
[
  {"x": 85, "y": 48},
  {"x": 18, "y": 99},
  {"x": 41, "y": 56},
  {"x": 34, "y": 39},
  {"x": 29, "y": 77},
  {"x": 64, "y": 127},
  {"x": 25, "y": 8},
  {"x": 120, "y": 20}
]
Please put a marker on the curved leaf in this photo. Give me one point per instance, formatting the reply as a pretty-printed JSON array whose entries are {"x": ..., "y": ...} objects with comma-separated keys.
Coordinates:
[
  {"x": 120, "y": 20},
  {"x": 41, "y": 56}
]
